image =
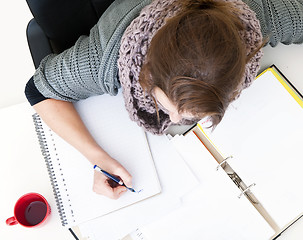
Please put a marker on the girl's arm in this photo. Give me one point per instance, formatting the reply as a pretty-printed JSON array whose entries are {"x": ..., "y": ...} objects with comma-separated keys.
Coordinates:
[
  {"x": 63, "y": 119},
  {"x": 78, "y": 73},
  {"x": 67, "y": 77}
]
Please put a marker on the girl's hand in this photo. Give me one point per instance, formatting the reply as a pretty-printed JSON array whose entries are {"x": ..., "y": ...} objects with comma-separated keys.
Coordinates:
[{"x": 107, "y": 187}]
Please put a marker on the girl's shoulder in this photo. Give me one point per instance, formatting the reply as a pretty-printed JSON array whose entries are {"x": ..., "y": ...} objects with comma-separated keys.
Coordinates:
[{"x": 118, "y": 16}]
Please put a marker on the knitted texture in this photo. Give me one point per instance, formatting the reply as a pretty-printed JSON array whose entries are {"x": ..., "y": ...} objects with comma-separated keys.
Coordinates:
[
  {"x": 133, "y": 50},
  {"x": 89, "y": 67},
  {"x": 55, "y": 76},
  {"x": 280, "y": 20}
]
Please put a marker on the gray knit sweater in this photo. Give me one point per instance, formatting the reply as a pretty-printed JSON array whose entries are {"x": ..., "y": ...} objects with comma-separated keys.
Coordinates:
[{"x": 90, "y": 66}]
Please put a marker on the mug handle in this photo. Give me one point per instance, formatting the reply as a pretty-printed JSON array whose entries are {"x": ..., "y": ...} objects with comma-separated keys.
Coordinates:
[{"x": 11, "y": 221}]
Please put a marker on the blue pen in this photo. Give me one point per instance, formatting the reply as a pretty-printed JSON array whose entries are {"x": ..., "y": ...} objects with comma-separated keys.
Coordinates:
[{"x": 115, "y": 179}]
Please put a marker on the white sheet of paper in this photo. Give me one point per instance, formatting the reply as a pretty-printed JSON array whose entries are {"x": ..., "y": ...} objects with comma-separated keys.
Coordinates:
[{"x": 176, "y": 179}]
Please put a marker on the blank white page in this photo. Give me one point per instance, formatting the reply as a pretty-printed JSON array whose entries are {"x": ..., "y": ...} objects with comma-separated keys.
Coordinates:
[
  {"x": 263, "y": 131},
  {"x": 212, "y": 210},
  {"x": 107, "y": 120},
  {"x": 144, "y": 212}
]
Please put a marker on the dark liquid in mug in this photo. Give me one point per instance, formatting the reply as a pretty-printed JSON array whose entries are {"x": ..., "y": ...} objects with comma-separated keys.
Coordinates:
[{"x": 35, "y": 212}]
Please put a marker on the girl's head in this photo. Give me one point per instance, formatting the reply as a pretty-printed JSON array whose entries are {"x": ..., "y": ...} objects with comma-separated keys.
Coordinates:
[{"x": 197, "y": 60}]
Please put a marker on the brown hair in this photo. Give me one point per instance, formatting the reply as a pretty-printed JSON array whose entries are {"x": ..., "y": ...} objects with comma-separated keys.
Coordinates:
[{"x": 198, "y": 58}]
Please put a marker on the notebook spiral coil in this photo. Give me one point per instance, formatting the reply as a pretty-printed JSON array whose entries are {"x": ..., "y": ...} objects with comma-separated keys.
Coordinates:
[{"x": 49, "y": 164}]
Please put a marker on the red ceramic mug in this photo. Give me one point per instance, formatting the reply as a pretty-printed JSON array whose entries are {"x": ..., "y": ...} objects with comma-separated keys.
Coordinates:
[{"x": 30, "y": 210}]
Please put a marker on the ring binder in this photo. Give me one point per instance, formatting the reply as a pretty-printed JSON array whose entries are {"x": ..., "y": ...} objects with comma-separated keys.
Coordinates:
[
  {"x": 224, "y": 161},
  {"x": 245, "y": 190}
]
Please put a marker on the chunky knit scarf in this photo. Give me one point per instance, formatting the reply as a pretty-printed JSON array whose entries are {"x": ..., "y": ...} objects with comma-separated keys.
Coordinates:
[{"x": 134, "y": 45}]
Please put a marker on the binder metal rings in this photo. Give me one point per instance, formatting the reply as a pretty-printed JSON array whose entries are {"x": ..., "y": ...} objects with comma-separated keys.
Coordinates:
[
  {"x": 245, "y": 190},
  {"x": 224, "y": 161}
]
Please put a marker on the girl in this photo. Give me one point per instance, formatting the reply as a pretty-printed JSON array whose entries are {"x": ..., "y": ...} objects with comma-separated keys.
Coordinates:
[{"x": 176, "y": 60}]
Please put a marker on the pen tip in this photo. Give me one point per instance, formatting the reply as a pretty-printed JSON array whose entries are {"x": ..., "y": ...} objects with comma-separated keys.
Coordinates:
[{"x": 131, "y": 189}]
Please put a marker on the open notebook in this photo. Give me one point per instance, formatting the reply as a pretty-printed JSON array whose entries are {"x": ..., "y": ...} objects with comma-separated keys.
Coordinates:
[
  {"x": 71, "y": 173},
  {"x": 262, "y": 131}
]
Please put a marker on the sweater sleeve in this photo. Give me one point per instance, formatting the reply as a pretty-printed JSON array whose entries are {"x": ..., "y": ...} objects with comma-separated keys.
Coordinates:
[
  {"x": 73, "y": 74},
  {"x": 89, "y": 67},
  {"x": 280, "y": 20}
]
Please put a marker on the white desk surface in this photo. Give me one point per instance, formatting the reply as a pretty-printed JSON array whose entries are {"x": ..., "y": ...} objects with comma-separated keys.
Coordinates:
[{"x": 24, "y": 171}]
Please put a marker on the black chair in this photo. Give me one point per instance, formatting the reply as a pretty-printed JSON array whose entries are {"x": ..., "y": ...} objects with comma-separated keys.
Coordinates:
[{"x": 57, "y": 24}]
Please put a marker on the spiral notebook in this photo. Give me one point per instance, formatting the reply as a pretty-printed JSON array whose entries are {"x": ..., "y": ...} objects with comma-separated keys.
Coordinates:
[
  {"x": 71, "y": 174},
  {"x": 258, "y": 144}
]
